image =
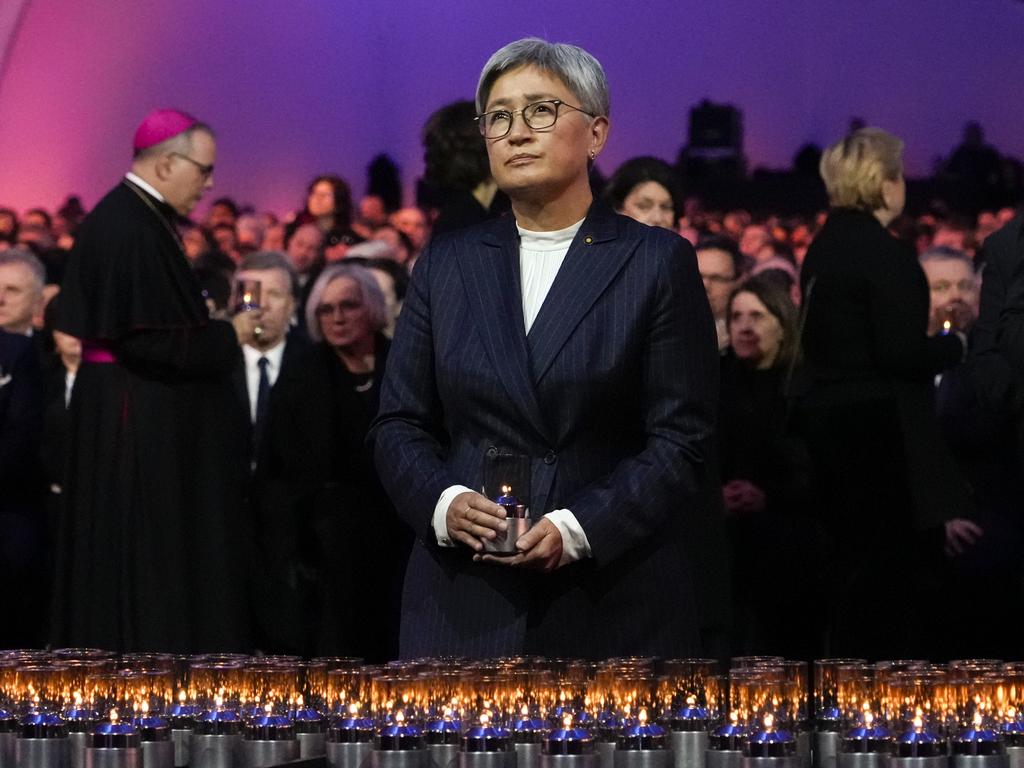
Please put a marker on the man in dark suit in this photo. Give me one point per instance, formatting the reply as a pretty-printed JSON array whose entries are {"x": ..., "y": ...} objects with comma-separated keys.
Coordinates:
[
  {"x": 271, "y": 344},
  {"x": 571, "y": 344},
  {"x": 22, "y": 555}
]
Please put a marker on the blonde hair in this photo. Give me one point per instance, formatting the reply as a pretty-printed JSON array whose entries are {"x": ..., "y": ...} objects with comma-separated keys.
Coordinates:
[{"x": 854, "y": 168}]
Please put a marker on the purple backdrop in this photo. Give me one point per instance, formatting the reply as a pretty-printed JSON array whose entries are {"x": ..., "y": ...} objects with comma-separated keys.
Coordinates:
[{"x": 296, "y": 88}]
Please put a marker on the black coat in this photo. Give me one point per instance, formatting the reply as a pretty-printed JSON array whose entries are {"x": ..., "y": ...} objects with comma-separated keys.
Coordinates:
[
  {"x": 334, "y": 548},
  {"x": 150, "y": 542},
  {"x": 886, "y": 479}
]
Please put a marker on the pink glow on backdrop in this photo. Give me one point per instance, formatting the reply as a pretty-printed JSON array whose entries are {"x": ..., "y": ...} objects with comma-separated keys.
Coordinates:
[{"x": 297, "y": 88}]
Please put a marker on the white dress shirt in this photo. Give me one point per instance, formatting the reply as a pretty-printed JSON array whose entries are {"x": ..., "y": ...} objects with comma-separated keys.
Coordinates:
[
  {"x": 252, "y": 371},
  {"x": 540, "y": 257},
  {"x": 143, "y": 184}
]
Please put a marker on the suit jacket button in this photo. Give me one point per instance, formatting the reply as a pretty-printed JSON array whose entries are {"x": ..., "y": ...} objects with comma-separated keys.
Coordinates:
[{"x": 550, "y": 458}]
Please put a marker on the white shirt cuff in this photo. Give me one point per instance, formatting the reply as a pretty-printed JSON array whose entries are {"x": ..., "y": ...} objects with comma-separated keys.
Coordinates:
[
  {"x": 574, "y": 541},
  {"x": 440, "y": 519}
]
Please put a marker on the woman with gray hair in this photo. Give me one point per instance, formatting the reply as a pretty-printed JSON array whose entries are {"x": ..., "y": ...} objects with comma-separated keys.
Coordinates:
[
  {"x": 891, "y": 491},
  {"x": 320, "y": 485},
  {"x": 566, "y": 354}
]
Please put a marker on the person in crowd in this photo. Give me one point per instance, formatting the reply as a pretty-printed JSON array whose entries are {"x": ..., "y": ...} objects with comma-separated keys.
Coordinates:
[
  {"x": 646, "y": 189},
  {"x": 720, "y": 264},
  {"x": 250, "y": 232},
  {"x": 765, "y": 470},
  {"x": 8, "y": 226},
  {"x": 22, "y": 277},
  {"x": 270, "y": 344},
  {"x": 756, "y": 243},
  {"x": 393, "y": 281},
  {"x": 401, "y": 246},
  {"x": 888, "y": 486},
  {"x": 223, "y": 213},
  {"x": 371, "y": 215},
  {"x": 328, "y": 206},
  {"x": 38, "y": 218},
  {"x": 581, "y": 362},
  {"x": 332, "y": 531},
  {"x": 156, "y": 466},
  {"x": 59, "y": 372},
  {"x": 305, "y": 251},
  {"x": 412, "y": 222},
  {"x": 456, "y": 168},
  {"x": 954, "y": 289},
  {"x": 226, "y": 238}
]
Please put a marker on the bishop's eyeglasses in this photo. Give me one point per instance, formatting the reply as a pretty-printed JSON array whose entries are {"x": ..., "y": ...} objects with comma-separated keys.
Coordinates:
[{"x": 537, "y": 116}]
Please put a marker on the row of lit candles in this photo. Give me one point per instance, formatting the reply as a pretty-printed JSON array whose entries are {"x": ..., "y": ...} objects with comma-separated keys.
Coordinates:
[{"x": 758, "y": 693}]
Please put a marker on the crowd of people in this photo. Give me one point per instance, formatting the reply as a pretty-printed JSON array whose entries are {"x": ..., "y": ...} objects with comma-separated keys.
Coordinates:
[{"x": 865, "y": 470}]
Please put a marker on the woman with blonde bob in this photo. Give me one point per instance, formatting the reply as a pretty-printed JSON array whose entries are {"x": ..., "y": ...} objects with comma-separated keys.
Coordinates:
[{"x": 888, "y": 484}]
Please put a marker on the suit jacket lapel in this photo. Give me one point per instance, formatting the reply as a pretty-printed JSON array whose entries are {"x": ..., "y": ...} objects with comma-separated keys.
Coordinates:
[
  {"x": 595, "y": 257},
  {"x": 492, "y": 283}
]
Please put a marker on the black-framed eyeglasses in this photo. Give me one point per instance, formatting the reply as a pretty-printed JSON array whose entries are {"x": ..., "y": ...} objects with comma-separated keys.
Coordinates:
[
  {"x": 537, "y": 116},
  {"x": 204, "y": 170}
]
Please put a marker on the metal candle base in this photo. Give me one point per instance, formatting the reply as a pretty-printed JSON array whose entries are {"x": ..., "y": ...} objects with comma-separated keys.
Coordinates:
[
  {"x": 688, "y": 748},
  {"x": 7, "y": 740},
  {"x": 723, "y": 758},
  {"x": 120, "y": 757},
  {"x": 642, "y": 758},
  {"x": 826, "y": 748},
  {"x": 528, "y": 756},
  {"x": 505, "y": 543},
  {"x": 862, "y": 760},
  {"x": 789, "y": 761},
  {"x": 78, "y": 741},
  {"x": 158, "y": 754},
  {"x": 311, "y": 745},
  {"x": 181, "y": 739},
  {"x": 570, "y": 761},
  {"x": 214, "y": 750},
  {"x": 443, "y": 755},
  {"x": 42, "y": 753},
  {"x": 1014, "y": 757},
  {"x": 486, "y": 760},
  {"x": 260, "y": 753},
  {"x": 348, "y": 755},
  {"x": 399, "y": 758},
  {"x": 803, "y": 748},
  {"x": 938, "y": 761},
  {"x": 606, "y": 754},
  {"x": 978, "y": 761}
]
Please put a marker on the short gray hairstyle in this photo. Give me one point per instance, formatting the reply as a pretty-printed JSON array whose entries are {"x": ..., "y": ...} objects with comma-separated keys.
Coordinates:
[
  {"x": 372, "y": 296},
  {"x": 946, "y": 253},
  {"x": 581, "y": 72},
  {"x": 271, "y": 260},
  {"x": 30, "y": 261}
]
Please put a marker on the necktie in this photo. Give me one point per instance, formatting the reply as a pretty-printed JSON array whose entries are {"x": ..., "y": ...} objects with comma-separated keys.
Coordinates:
[{"x": 262, "y": 404}]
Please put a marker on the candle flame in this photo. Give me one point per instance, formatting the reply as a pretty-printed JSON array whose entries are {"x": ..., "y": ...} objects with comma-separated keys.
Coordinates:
[
  {"x": 399, "y": 717},
  {"x": 626, "y": 710},
  {"x": 734, "y": 717},
  {"x": 769, "y": 721},
  {"x": 506, "y": 490},
  {"x": 353, "y": 709},
  {"x": 485, "y": 718},
  {"x": 946, "y": 325},
  {"x": 643, "y": 716},
  {"x": 918, "y": 723},
  {"x": 181, "y": 696},
  {"x": 977, "y": 719},
  {"x": 268, "y": 707},
  {"x": 868, "y": 718},
  {"x": 691, "y": 700},
  {"x": 567, "y": 722},
  {"x": 113, "y": 716},
  {"x": 299, "y": 701},
  {"x": 145, "y": 708},
  {"x": 218, "y": 701},
  {"x": 524, "y": 710},
  {"x": 78, "y": 699}
]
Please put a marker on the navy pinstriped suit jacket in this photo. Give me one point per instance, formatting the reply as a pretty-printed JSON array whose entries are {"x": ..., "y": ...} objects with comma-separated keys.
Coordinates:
[{"x": 613, "y": 393}]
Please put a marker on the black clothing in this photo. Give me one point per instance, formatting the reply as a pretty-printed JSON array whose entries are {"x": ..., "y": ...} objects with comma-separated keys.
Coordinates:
[
  {"x": 23, "y": 544},
  {"x": 151, "y": 542},
  {"x": 460, "y": 209},
  {"x": 887, "y": 484},
  {"x": 336, "y": 549},
  {"x": 758, "y": 443}
]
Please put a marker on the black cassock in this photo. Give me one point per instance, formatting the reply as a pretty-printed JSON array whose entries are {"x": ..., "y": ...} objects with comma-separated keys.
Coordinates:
[{"x": 151, "y": 541}]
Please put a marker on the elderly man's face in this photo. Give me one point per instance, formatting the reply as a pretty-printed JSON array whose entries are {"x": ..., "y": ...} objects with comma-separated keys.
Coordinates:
[
  {"x": 20, "y": 298},
  {"x": 304, "y": 247},
  {"x": 188, "y": 179},
  {"x": 277, "y": 305},
  {"x": 413, "y": 223},
  {"x": 954, "y": 293}
]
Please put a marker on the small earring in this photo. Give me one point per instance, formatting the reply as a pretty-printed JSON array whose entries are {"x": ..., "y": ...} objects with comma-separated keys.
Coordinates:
[{"x": 593, "y": 155}]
